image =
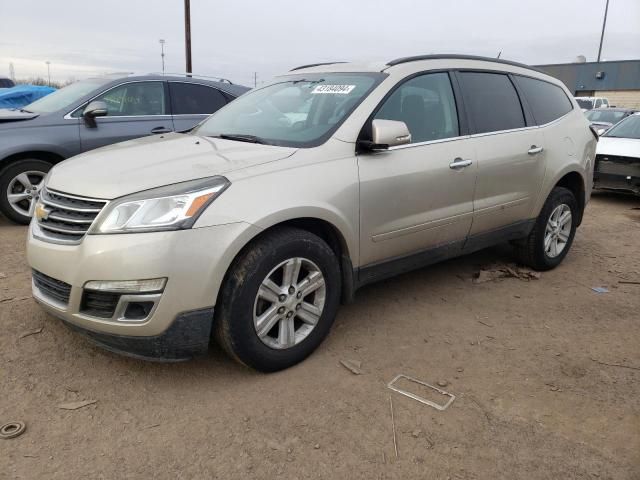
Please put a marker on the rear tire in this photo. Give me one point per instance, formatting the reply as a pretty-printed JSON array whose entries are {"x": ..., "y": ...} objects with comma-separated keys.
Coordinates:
[
  {"x": 279, "y": 300},
  {"x": 553, "y": 233},
  {"x": 20, "y": 185}
]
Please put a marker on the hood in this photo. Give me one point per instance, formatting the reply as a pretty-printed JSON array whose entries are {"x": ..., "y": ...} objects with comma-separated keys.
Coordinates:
[
  {"x": 8, "y": 115},
  {"x": 622, "y": 147},
  {"x": 149, "y": 162}
]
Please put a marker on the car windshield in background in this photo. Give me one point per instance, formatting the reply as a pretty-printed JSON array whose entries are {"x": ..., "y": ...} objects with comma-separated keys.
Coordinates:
[
  {"x": 583, "y": 103},
  {"x": 608, "y": 116},
  {"x": 627, "y": 128},
  {"x": 66, "y": 96},
  {"x": 299, "y": 111}
]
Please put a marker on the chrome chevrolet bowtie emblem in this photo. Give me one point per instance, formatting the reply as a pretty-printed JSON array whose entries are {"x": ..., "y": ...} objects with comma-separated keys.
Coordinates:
[{"x": 41, "y": 212}]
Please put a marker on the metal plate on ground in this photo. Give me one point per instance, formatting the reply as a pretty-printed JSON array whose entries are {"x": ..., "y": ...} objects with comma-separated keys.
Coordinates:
[{"x": 418, "y": 398}]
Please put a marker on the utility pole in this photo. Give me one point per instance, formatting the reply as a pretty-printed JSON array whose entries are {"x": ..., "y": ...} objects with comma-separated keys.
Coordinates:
[
  {"x": 604, "y": 24},
  {"x": 162, "y": 53},
  {"x": 187, "y": 34},
  {"x": 12, "y": 72},
  {"x": 48, "y": 72},
  {"x": 255, "y": 79}
]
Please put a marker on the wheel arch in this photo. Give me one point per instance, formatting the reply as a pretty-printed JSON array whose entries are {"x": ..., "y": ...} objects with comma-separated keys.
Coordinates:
[
  {"x": 46, "y": 155},
  {"x": 574, "y": 182},
  {"x": 322, "y": 228}
]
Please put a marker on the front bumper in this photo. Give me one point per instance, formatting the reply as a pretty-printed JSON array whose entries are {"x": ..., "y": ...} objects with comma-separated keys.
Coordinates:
[
  {"x": 193, "y": 261},
  {"x": 187, "y": 337},
  {"x": 617, "y": 173}
]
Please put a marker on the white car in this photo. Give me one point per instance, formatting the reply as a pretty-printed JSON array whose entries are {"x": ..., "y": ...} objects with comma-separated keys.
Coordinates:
[
  {"x": 589, "y": 103},
  {"x": 617, "y": 164}
]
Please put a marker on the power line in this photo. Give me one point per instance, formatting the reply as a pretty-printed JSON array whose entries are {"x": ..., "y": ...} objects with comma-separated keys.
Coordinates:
[{"x": 187, "y": 35}]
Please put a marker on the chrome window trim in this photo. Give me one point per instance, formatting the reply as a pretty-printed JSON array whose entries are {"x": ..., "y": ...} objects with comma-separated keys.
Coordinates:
[
  {"x": 84, "y": 104},
  {"x": 428, "y": 142},
  {"x": 478, "y": 135}
]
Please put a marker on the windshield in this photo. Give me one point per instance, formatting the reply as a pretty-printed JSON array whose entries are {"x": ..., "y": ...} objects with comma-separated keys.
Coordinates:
[
  {"x": 627, "y": 128},
  {"x": 299, "y": 111},
  {"x": 66, "y": 96},
  {"x": 608, "y": 116},
  {"x": 585, "y": 103}
]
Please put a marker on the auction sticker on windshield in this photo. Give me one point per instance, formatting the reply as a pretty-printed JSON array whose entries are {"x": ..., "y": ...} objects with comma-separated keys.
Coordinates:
[{"x": 335, "y": 89}]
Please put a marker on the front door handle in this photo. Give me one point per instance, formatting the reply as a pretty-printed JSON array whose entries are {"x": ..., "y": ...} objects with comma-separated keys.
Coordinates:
[
  {"x": 160, "y": 130},
  {"x": 459, "y": 163},
  {"x": 535, "y": 150}
]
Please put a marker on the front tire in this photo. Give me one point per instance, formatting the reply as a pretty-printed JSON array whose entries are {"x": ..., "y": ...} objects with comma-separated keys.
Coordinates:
[
  {"x": 553, "y": 233},
  {"x": 20, "y": 185},
  {"x": 279, "y": 300}
]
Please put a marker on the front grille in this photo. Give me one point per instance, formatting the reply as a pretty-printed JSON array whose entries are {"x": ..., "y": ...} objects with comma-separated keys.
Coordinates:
[
  {"x": 51, "y": 287},
  {"x": 67, "y": 217},
  {"x": 618, "y": 165},
  {"x": 99, "y": 304}
]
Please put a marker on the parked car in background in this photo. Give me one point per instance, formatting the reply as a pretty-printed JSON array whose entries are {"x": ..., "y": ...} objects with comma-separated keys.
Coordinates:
[
  {"x": 604, "y": 118},
  {"x": 21, "y": 95},
  {"x": 290, "y": 198},
  {"x": 6, "y": 82},
  {"x": 618, "y": 157},
  {"x": 588, "y": 103},
  {"x": 93, "y": 113}
]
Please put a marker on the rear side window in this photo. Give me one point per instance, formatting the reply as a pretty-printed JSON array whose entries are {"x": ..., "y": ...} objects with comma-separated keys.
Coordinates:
[
  {"x": 598, "y": 103},
  {"x": 194, "y": 99},
  {"x": 548, "y": 102},
  {"x": 492, "y": 102}
]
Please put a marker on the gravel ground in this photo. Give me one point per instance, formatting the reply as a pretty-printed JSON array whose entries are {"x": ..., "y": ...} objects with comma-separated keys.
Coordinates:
[{"x": 527, "y": 361}]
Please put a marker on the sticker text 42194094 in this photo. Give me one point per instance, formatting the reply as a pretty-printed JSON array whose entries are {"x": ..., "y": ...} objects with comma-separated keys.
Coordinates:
[{"x": 333, "y": 89}]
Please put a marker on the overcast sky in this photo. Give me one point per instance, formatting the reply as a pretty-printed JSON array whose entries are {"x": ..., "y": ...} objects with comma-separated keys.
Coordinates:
[{"x": 236, "y": 38}]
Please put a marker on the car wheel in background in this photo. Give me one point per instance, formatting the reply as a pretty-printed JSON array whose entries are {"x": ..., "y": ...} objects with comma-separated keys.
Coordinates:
[
  {"x": 20, "y": 185},
  {"x": 279, "y": 300},
  {"x": 552, "y": 236}
]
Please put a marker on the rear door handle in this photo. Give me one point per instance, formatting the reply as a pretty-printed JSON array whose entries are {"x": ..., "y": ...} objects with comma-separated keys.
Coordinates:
[
  {"x": 160, "y": 130},
  {"x": 459, "y": 163},
  {"x": 535, "y": 150}
]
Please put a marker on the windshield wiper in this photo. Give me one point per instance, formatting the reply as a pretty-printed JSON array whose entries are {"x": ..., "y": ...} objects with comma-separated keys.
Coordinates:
[
  {"x": 240, "y": 137},
  {"x": 22, "y": 110}
]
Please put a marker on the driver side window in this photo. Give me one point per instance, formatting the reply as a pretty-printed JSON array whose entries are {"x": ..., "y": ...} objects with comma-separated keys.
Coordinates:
[
  {"x": 427, "y": 106},
  {"x": 134, "y": 99}
]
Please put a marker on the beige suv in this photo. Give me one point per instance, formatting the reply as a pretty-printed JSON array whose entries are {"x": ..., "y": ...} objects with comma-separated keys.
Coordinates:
[{"x": 253, "y": 227}]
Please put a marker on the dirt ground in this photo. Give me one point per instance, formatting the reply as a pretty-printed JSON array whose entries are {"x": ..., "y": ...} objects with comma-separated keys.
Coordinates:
[{"x": 527, "y": 361}]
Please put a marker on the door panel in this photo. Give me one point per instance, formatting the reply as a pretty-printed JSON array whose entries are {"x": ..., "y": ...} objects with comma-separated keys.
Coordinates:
[
  {"x": 509, "y": 178},
  {"x": 411, "y": 197},
  {"x": 135, "y": 109},
  {"x": 411, "y": 200}
]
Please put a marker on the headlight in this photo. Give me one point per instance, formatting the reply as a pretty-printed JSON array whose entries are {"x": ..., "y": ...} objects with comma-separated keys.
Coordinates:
[{"x": 173, "y": 207}]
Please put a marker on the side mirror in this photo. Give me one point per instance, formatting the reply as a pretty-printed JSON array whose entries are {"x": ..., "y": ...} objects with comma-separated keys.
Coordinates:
[
  {"x": 97, "y": 108},
  {"x": 386, "y": 134}
]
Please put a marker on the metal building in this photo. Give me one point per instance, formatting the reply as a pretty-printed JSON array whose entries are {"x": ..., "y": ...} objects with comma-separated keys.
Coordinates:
[{"x": 619, "y": 81}]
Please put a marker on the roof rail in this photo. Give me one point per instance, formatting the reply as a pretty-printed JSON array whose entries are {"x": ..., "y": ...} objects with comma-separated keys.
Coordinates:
[
  {"x": 399, "y": 61},
  {"x": 189, "y": 74},
  {"x": 314, "y": 65}
]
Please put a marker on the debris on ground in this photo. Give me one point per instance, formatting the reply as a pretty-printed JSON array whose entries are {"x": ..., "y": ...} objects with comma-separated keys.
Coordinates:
[
  {"x": 628, "y": 282},
  {"x": 12, "y": 430},
  {"x": 76, "y": 405},
  {"x": 3, "y": 275},
  {"x": 416, "y": 433},
  {"x": 393, "y": 426},
  {"x": 32, "y": 332},
  {"x": 615, "y": 364},
  {"x": 442, "y": 383},
  {"x": 498, "y": 271},
  {"x": 354, "y": 366},
  {"x": 600, "y": 289},
  {"x": 418, "y": 398}
]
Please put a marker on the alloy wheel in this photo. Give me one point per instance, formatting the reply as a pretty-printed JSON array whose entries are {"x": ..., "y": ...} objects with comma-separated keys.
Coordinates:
[
  {"x": 289, "y": 303},
  {"x": 24, "y": 190},
  {"x": 558, "y": 231}
]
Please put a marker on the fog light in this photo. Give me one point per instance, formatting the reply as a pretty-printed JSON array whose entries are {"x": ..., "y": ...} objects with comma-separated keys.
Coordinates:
[
  {"x": 138, "y": 310},
  {"x": 127, "y": 286}
]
